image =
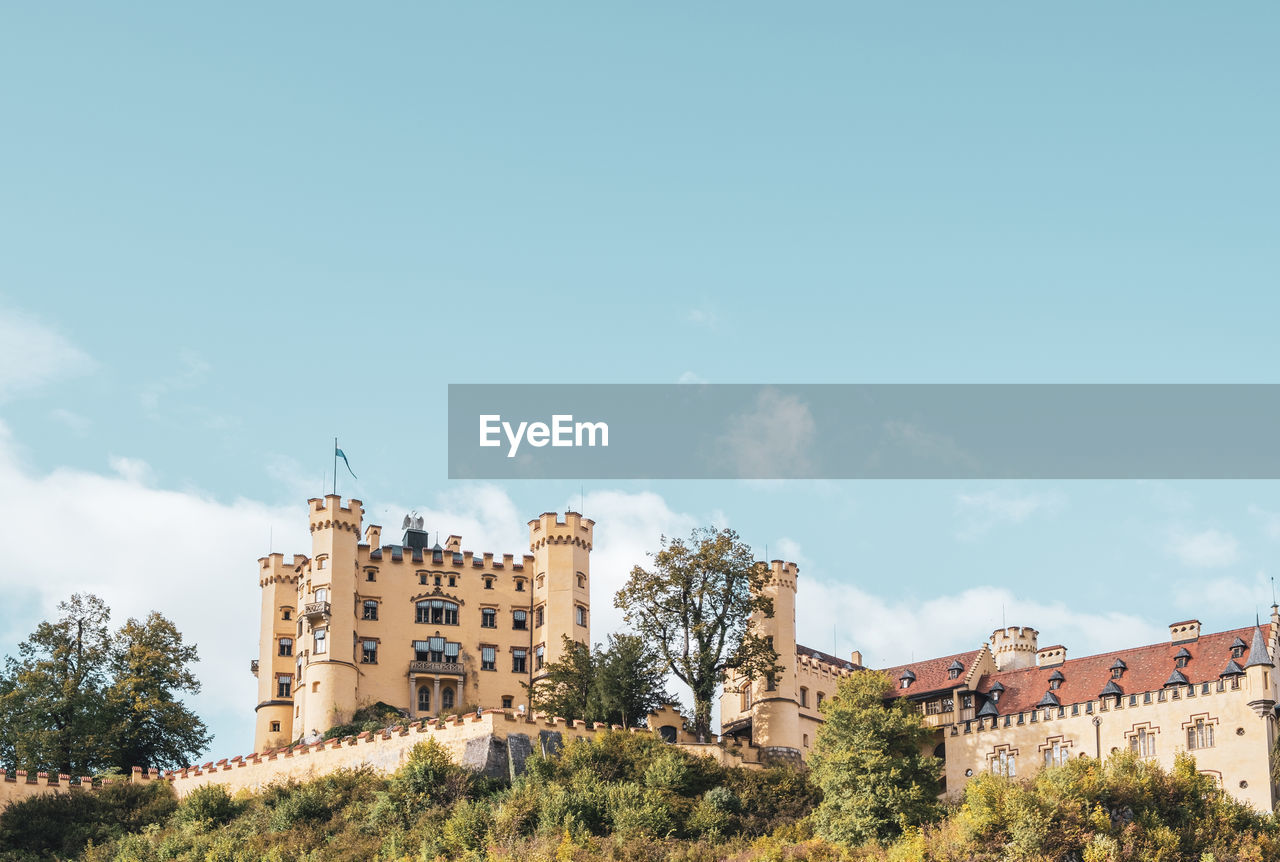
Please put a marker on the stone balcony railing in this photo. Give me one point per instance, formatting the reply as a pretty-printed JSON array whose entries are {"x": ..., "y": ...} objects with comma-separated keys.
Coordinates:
[
  {"x": 316, "y": 609},
  {"x": 451, "y": 668},
  {"x": 253, "y": 667}
]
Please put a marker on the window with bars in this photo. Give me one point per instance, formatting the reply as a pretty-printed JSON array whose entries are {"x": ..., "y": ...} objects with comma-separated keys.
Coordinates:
[
  {"x": 520, "y": 620},
  {"x": 488, "y": 618},
  {"x": 284, "y": 685},
  {"x": 370, "y": 610},
  {"x": 519, "y": 658},
  {"x": 369, "y": 652},
  {"x": 286, "y": 646},
  {"x": 488, "y": 658}
]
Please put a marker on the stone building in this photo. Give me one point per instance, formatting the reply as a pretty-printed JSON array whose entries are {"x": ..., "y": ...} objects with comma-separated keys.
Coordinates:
[
  {"x": 428, "y": 629},
  {"x": 1013, "y": 707}
]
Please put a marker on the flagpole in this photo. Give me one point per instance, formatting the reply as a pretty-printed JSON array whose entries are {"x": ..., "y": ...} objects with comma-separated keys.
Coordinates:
[{"x": 335, "y": 466}]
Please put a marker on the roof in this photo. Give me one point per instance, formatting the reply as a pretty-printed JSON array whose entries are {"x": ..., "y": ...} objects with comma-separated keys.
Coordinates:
[
  {"x": 826, "y": 657},
  {"x": 1147, "y": 669},
  {"x": 931, "y": 674}
]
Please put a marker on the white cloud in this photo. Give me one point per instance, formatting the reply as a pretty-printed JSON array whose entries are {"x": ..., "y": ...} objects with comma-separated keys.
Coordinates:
[
  {"x": 32, "y": 354},
  {"x": 772, "y": 439},
  {"x": 1208, "y": 549},
  {"x": 980, "y": 513},
  {"x": 703, "y": 315},
  {"x": 1270, "y": 520},
  {"x": 74, "y": 421},
  {"x": 691, "y": 377},
  {"x": 1224, "y": 596}
]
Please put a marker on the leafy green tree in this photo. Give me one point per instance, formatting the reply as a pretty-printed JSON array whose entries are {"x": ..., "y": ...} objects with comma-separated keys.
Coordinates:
[
  {"x": 149, "y": 726},
  {"x": 872, "y": 761},
  {"x": 630, "y": 681},
  {"x": 694, "y": 610},
  {"x": 80, "y": 700},
  {"x": 52, "y": 706},
  {"x": 567, "y": 686}
]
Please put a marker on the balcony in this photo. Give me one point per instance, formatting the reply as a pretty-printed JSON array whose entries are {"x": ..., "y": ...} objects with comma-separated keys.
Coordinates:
[
  {"x": 253, "y": 667},
  {"x": 939, "y": 719},
  {"x": 448, "y": 668},
  {"x": 316, "y": 610}
]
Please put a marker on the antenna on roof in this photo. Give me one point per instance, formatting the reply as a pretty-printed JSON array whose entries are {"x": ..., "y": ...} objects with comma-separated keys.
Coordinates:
[{"x": 1273, "y": 591}]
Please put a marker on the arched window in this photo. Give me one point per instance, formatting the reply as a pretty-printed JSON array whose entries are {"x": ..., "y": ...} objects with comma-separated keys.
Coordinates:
[
  {"x": 446, "y": 698},
  {"x": 424, "y": 699},
  {"x": 286, "y": 646},
  {"x": 437, "y": 612},
  {"x": 746, "y": 697}
]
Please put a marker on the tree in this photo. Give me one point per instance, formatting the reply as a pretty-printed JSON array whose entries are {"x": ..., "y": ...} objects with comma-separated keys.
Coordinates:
[
  {"x": 79, "y": 701},
  {"x": 567, "y": 686},
  {"x": 52, "y": 710},
  {"x": 630, "y": 681},
  {"x": 694, "y": 610},
  {"x": 873, "y": 763},
  {"x": 150, "y": 727}
]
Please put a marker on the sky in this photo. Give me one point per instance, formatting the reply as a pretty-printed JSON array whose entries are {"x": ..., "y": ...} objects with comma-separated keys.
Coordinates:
[{"x": 228, "y": 235}]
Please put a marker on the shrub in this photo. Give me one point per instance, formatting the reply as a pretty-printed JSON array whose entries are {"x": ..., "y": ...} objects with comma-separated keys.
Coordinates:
[
  {"x": 60, "y": 825},
  {"x": 428, "y": 778},
  {"x": 210, "y": 803}
]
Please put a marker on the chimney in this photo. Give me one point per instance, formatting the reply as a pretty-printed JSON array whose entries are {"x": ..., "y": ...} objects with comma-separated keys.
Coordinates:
[
  {"x": 453, "y": 543},
  {"x": 1051, "y": 656},
  {"x": 856, "y": 657},
  {"x": 1185, "y": 631}
]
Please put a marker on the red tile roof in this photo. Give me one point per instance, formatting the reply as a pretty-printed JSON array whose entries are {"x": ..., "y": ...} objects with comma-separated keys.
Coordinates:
[
  {"x": 931, "y": 674},
  {"x": 1148, "y": 668},
  {"x": 826, "y": 657}
]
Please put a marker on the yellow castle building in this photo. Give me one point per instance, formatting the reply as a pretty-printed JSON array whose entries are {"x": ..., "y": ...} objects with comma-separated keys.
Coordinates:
[
  {"x": 1014, "y": 707},
  {"x": 427, "y": 629}
]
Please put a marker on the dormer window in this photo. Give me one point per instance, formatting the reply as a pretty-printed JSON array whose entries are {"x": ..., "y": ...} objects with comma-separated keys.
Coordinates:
[
  {"x": 1237, "y": 652},
  {"x": 1180, "y": 660},
  {"x": 1118, "y": 667},
  {"x": 907, "y": 678},
  {"x": 954, "y": 669},
  {"x": 1054, "y": 684}
]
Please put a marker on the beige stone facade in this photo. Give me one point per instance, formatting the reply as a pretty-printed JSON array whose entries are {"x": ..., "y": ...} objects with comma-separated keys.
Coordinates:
[
  {"x": 425, "y": 628},
  {"x": 1013, "y": 707}
]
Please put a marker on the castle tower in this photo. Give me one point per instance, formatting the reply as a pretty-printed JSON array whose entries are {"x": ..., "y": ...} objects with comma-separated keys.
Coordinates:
[
  {"x": 276, "y": 648},
  {"x": 561, "y": 581},
  {"x": 1015, "y": 647},
  {"x": 776, "y": 713},
  {"x": 326, "y": 691}
]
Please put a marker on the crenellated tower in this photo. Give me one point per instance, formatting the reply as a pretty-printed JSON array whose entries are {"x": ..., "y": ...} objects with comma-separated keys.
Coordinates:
[
  {"x": 776, "y": 713},
  {"x": 1014, "y": 647},
  {"x": 326, "y": 690},
  {"x": 561, "y": 581},
  {"x": 273, "y": 726}
]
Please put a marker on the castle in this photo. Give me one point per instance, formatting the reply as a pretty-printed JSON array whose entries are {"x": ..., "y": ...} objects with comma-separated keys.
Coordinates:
[
  {"x": 1013, "y": 707},
  {"x": 427, "y": 629}
]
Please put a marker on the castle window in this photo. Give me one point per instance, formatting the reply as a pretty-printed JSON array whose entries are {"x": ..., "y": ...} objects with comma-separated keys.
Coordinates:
[
  {"x": 370, "y": 611},
  {"x": 1143, "y": 742},
  {"x": 1237, "y": 652},
  {"x": 1199, "y": 735},
  {"x": 519, "y": 585},
  {"x": 804, "y": 696},
  {"x": 437, "y": 580},
  {"x": 275, "y": 727},
  {"x": 537, "y": 617},
  {"x": 506, "y": 701},
  {"x": 284, "y": 685},
  {"x": 322, "y": 562},
  {"x": 821, "y": 697},
  {"x": 286, "y": 614},
  {"x": 1004, "y": 763},
  {"x": 518, "y": 657},
  {"x": 541, "y": 581},
  {"x": 1180, "y": 661},
  {"x": 1056, "y": 754},
  {"x": 952, "y": 673},
  {"x": 1117, "y": 672},
  {"x": 746, "y": 697},
  {"x": 422, "y": 579},
  {"x": 488, "y": 583},
  {"x": 582, "y": 581},
  {"x": 321, "y": 638},
  {"x": 1054, "y": 683},
  {"x": 370, "y": 574},
  {"x": 453, "y": 581},
  {"x": 446, "y": 698},
  {"x": 539, "y": 657},
  {"x": 369, "y": 652},
  {"x": 806, "y": 740},
  {"x": 520, "y": 620},
  {"x": 488, "y": 618},
  {"x": 488, "y": 658},
  {"x": 437, "y": 612},
  {"x": 286, "y": 646},
  {"x": 581, "y": 614},
  {"x": 322, "y": 595},
  {"x": 424, "y": 699}
]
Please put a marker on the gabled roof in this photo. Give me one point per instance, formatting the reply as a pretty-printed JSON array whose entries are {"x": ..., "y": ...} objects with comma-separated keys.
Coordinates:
[
  {"x": 1057, "y": 674},
  {"x": 1239, "y": 642},
  {"x": 931, "y": 674},
  {"x": 988, "y": 709},
  {"x": 843, "y": 664},
  {"x": 1182, "y": 653},
  {"x": 1119, "y": 664},
  {"x": 1110, "y": 688},
  {"x": 1085, "y": 677},
  {"x": 1176, "y": 678},
  {"x": 1049, "y": 699},
  {"x": 1232, "y": 669}
]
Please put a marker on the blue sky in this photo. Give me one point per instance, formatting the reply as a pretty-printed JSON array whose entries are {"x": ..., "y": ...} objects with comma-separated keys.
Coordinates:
[{"x": 227, "y": 236}]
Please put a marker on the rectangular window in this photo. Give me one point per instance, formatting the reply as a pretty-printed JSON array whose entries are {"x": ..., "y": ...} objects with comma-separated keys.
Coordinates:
[
  {"x": 488, "y": 658},
  {"x": 539, "y": 657},
  {"x": 421, "y": 651},
  {"x": 451, "y": 652},
  {"x": 581, "y": 615},
  {"x": 286, "y": 646},
  {"x": 369, "y": 652},
  {"x": 488, "y": 618},
  {"x": 370, "y": 610},
  {"x": 1199, "y": 735},
  {"x": 275, "y": 727},
  {"x": 520, "y": 620},
  {"x": 321, "y": 641},
  {"x": 506, "y": 702},
  {"x": 284, "y": 685},
  {"x": 518, "y": 657},
  {"x": 538, "y": 617}
]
